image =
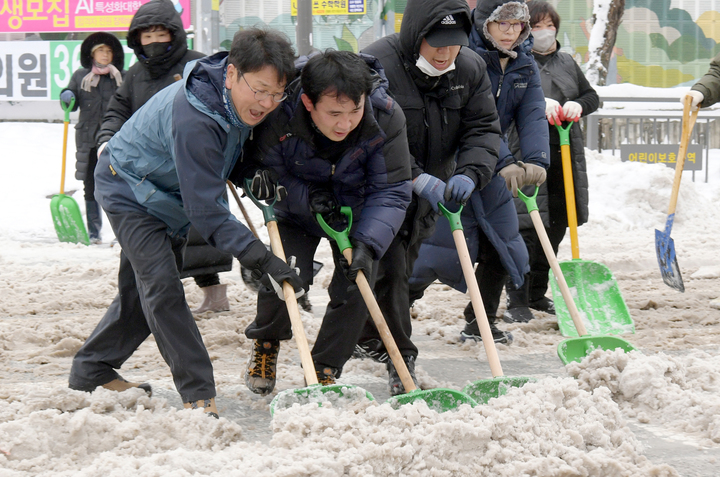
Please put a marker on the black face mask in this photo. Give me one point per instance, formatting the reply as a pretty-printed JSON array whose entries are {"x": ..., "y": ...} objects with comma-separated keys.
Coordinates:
[{"x": 156, "y": 49}]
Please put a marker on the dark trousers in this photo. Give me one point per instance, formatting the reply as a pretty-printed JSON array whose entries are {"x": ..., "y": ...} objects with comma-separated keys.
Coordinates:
[
  {"x": 393, "y": 293},
  {"x": 345, "y": 313},
  {"x": 150, "y": 299},
  {"x": 539, "y": 266},
  {"x": 92, "y": 209}
]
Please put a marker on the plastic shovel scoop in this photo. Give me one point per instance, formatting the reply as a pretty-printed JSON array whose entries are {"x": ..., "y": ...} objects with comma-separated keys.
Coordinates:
[
  {"x": 483, "y": 390},
  {"x": 338, "y": 394},
  {"x": 596, "y": 291},
  {"x": 664, "y": 244},
  {"x": 573, "y": 349},
  {"x": 66, "y": 215},
  {"x": 438, "y": 399}
]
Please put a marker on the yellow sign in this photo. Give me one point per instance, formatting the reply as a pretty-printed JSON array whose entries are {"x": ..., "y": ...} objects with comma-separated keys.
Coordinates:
[{"x": 333, "y": 7}]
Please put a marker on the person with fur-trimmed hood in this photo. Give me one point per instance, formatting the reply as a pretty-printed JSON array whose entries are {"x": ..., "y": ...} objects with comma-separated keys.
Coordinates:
[
  {"x": 454, "y": 137},
  {"x": 92, "y": 86},
  {"x": 499, "y": 34}
]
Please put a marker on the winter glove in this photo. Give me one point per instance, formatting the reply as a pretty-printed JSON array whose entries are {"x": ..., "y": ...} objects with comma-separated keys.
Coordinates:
[
  {"x": 270, "y": 270},
  {"x": 534, "y": 175},
  {"x": 430, "y": 188},
  {"x": 459, "y": 188},
  {"x": 67, "y": 96},
  {"x": 322, "y": 201},
  {"x": 697, "y": 98},
  {"x": 552, "y": 111},
  {"x": 264, "y": 185},
  {"x": 362, "y": 259},
  {"x": 514, "y": 176},
  {"x": 571, "y": 111}
]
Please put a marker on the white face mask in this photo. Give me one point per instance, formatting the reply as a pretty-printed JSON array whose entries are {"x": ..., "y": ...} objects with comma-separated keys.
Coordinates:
[
  {"x": 544, "y": 40},
  {"x": 425, "y": 66}
]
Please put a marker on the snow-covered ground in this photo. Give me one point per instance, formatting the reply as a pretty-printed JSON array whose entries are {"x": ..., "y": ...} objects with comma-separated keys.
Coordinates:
[{"x": 577, "y": 422}]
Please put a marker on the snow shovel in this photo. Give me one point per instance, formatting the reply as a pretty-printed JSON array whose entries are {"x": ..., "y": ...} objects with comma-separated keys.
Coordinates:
[
  {"x": 66, "y": 215},
  {"x": 573, "y": 349},
  {"x": 595, "y": 290},
  {"x": 664, "y": 245},
  {"x": 313, "y": 392},
  {"x": 438, "y": 399},
  {"x": 483, "y": 390}
]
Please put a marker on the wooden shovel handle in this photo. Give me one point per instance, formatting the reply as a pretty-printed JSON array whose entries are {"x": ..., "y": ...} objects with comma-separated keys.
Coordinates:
[
  {"x": 293, "y": 310},
  {"x": 688, "y": 122},
  {"x": 552, "y": 260},
  {"x": 382, "y": 327},
  {"x": 477, "y": 303},
  {"x": 242, "y": 209}
]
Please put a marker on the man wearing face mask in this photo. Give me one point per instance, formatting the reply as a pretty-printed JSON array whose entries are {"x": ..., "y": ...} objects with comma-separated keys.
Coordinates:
[
  {"x": 157, "y": 36},
  {"x": 454, "y": 137}
]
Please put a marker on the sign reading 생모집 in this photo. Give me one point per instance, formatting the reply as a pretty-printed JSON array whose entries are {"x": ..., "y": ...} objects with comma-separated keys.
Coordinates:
[
  {"x": 662, "y": 154},
  {"x": 39, "y": 70},
  {"x": 74, "y": 15},
  {"x": 332, "y": 7}
]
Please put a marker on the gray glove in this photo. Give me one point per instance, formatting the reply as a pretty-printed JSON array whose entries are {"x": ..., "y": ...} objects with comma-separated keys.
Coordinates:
[
  {"x": 514, "y": 176},
  {"x": 534, "y": 175}
]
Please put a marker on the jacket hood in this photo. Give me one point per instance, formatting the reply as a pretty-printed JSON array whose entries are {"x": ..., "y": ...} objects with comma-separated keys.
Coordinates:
[
  {"x": 206, "y": 81},
  {"x": 156, "y": 12},
  {"x": 102, "y": 38},
  {"x": 419, "y": 18},
  {"x": 499, "y": 10}
]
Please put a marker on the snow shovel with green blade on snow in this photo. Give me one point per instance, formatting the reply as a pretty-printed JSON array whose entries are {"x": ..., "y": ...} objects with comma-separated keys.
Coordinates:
[
  {"x": 66, "y": 215},
  {"x": 313, "y": 392},
  {"x": 485, "y": 389},
  {"x": 438, "y": 399},
  {"x": 573, "y": 349},
  {"x": 594, "y": 287}
]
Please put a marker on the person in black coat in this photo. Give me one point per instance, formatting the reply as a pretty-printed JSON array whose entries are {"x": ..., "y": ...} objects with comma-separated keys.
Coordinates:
[
  {"x": 454, "y": 137},
  {"x": 157, "y": 36},
  {"x": 568, "y": 96},
  {"x": 92, "y": 86}
]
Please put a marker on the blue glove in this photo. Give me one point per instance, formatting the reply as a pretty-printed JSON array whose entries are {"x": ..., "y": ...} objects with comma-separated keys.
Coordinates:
[
  {"x": 67, "y": 96},
  {"x": 459, "y": 188},
  {"x": 431, "y": 189}
]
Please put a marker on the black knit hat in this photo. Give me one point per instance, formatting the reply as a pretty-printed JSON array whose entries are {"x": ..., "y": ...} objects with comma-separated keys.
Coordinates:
[{"x": 102, "y": 38}]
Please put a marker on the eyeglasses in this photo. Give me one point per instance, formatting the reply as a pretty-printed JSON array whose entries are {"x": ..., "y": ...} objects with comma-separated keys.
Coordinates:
[
  {"x": 261, "y": 95},
  {"x": 505, "y": 26}
]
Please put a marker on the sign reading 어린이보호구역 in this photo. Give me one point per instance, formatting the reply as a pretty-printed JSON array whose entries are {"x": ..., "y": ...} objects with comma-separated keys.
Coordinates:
[
  {"x": 33, "y": 16},
  {"x": 662, "y": 154},
  {"x": 39, "y": 70}
]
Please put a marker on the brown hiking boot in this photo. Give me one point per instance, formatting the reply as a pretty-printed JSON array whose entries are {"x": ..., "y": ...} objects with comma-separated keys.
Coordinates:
[
  {"x": 208, "y": 404},
  {"x": 262, "y": 366},
  {"x": 121, "y": 385}
]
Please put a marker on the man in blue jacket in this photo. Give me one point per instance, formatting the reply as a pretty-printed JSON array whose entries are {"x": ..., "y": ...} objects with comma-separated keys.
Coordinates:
[
  {"x": 339, "y": 140},
  {"x": 164, "y": 170}
]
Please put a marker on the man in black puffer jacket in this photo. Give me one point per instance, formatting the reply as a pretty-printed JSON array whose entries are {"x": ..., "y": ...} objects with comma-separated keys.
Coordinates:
[
  {"x": 157, "y": 36},
  {"x": 453, "y": 134}
]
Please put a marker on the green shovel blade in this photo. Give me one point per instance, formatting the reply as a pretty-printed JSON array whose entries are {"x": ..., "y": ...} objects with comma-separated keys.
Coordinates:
[
  {"x": 438, "y": 399},
  {"x": 597, "y": 297},
  {"x": 68, "y": 220},
  {"x": 575, "y": 349},
  {"x": 340, "y": 395},
  {"x": 484, "y": 390}
]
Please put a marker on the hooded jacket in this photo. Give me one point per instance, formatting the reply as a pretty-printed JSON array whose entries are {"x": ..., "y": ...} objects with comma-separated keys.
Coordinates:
[
  {"x": 148, "y": 75},
  {"x": 452, "y": 123},
  {"x": 93, "y": 103},
  {"x": 371, "y": 175},
  {"x": 172, "y": 159}
]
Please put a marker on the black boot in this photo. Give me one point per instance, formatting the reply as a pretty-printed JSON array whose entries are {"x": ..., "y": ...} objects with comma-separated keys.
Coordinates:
[
  {"x": 518, "y": 310},
  {"x": 472, "y": 331},
  {"x": 394, "y": 382},
  {"x": 94, "y": 220}
]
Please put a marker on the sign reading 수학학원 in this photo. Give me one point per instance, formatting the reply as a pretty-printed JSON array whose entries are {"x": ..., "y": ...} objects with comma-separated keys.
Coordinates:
[{"x": 662, "y": 154}]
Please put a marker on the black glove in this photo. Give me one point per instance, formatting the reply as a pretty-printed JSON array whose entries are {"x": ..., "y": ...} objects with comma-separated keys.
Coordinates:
[
  {"x": 362, "y": 259},
  {"x": 322, "y": 201},
  {"x": 270, "y": 270},
  {"x": 265, "y": 186}
]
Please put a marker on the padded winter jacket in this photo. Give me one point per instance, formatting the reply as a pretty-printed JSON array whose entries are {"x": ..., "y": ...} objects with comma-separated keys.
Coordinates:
[
  {"x": 175, "y": 155},
  {"x": 371, "y": 174}
]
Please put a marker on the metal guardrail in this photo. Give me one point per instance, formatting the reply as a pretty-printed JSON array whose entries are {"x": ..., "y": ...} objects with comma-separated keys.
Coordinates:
[{"x": 606, "y": 129}]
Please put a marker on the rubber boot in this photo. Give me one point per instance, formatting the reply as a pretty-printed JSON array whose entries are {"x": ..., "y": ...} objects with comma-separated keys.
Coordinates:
[
  {"x": 215, "y": 299},
  {"x": 518, "y": 309},
  {"x": 94, "y": 221},
  {"x": 121, "y": 385},
  {"x": 207, "y": 404}
]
